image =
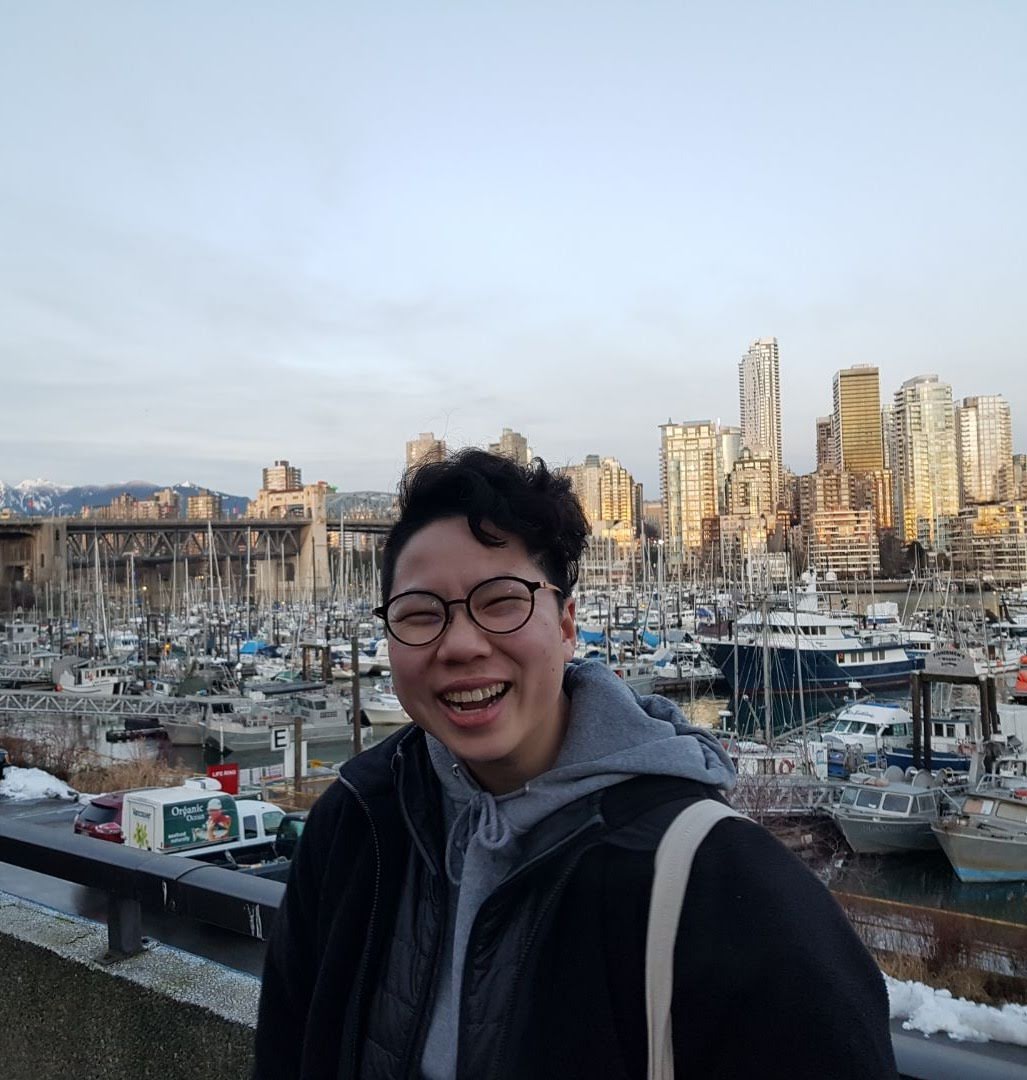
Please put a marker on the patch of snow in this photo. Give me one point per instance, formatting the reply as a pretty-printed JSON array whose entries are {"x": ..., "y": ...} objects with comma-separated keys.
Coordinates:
[
  {"x": 922, "y": 1008},
  {"x": 40, "y": 485},
  {"x": 33, "y": 784}
]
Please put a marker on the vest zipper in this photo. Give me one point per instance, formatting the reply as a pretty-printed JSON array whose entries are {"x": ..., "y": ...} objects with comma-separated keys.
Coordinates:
[
  {"x": 372, "y": 919},
  {"x": 415, "y": 1047},
  {"x": 522, "y": 959}
]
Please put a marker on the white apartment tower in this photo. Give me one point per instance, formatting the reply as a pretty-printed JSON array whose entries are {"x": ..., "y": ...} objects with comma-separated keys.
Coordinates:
[
  {"x": 926, "y": 482},
  {"x": 984, "y": 444},
  {"x": 759, "y": 395}
]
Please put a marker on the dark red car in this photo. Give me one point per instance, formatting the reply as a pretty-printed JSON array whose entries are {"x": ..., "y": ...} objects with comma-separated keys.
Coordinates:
[{"x": 101, "y": 818}]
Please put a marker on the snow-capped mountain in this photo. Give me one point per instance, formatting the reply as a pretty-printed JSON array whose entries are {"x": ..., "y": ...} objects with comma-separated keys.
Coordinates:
[{"x": 43, "y": 498}]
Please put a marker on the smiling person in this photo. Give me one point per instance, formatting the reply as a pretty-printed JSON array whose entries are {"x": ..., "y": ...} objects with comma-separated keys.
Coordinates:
[{"x": 470, "y": 899}]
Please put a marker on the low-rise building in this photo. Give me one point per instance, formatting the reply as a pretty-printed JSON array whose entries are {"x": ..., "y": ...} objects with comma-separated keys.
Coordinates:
[
  {"x": 989, "y": 541},
  {"x": 204, "y": 506},
  {"x": 844, "y": 541}
]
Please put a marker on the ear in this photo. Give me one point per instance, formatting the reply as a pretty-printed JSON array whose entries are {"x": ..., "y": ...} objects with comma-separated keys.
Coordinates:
[{"x": 568, "y": 630}]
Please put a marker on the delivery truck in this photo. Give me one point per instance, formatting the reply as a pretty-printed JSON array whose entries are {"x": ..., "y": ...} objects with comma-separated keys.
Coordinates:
[{"x": 199, "y": 820}]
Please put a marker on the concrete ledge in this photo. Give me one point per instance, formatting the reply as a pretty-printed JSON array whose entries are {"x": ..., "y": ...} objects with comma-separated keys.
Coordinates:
[{"x": 162, "y": 1015}]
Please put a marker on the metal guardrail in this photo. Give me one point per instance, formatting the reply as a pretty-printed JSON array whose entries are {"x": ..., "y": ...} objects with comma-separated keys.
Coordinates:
[{"x": 134, "y": 879}]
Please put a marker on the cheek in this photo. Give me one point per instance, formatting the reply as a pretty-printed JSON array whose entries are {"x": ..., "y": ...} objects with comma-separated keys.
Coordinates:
[{"x": 406, "y": 674}]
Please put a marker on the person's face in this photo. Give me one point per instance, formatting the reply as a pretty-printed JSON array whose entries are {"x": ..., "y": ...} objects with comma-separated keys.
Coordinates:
[{"x": 518, "y": 733}]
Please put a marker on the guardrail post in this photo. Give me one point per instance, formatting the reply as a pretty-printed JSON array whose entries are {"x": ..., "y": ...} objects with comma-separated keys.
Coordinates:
[{"x": 124, "y": 928}]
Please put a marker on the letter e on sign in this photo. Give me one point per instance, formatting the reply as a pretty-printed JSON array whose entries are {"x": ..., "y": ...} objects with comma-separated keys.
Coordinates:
[{"x": 279, "y": 738}]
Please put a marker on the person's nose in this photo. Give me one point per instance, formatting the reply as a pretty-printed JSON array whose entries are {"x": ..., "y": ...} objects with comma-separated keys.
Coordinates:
[{"x": 463, "y": 639}]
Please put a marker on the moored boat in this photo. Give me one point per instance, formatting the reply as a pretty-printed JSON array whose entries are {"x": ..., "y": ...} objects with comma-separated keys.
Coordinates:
[
  {"x": 987, "y": 839},
  {"x": 886, "y": 816}
]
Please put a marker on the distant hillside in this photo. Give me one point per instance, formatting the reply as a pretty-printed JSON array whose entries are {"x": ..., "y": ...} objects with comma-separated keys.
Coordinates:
[
  {"x": 379, "y": 503},
  {"x": 41, "y": 498}
]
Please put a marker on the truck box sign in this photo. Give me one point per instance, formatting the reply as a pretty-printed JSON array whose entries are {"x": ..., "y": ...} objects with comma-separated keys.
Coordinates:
[{"x": 200, "y": 821}]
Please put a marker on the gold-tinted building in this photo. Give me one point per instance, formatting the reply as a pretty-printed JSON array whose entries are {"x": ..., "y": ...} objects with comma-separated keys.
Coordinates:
[
  {"x": 856, "y": 421},
  {"x": 425, "y": 448},
  {"x": 606, "y": 491}
]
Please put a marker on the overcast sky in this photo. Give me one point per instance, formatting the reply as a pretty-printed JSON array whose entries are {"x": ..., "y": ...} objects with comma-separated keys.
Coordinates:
[{"x": 235, "y": 232}]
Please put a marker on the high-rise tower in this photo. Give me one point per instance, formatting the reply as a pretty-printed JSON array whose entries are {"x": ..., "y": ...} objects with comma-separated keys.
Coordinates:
[
  {"x": 857, "y": 419},
  {"x": 924, "y": 457},
  {"x": 984, "y": 444},
  {"x": 691, "y": 481},
  {"x": 759, "y": 397}
]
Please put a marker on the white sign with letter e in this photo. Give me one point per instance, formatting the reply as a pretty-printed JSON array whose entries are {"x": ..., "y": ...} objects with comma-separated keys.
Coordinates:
[{"x": 279, "y": 738}]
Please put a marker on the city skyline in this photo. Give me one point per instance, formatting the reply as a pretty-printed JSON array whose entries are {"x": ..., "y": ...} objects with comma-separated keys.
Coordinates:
[{"x": 330, "y": 238}]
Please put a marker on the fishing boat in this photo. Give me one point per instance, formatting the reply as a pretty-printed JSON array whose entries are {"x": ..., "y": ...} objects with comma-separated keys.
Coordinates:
[
  {"x": 889, "y": 815},
  {"x": 862, "y": 733},
  {"x": 986, "y": 840},
  {"x": 952, "y": 742},
  {"x": 90, "y": 678}
]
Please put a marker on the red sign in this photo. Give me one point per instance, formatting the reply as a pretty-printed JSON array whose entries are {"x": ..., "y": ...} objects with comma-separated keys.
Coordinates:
[{"x": 227, "y": 775}]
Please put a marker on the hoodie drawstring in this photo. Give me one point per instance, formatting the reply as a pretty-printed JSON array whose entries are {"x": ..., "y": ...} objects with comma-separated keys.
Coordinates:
[{"x": 479, "y": 818}]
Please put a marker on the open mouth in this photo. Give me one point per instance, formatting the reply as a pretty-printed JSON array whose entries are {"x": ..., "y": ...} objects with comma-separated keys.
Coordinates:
[{"x": 479, "y": 698}]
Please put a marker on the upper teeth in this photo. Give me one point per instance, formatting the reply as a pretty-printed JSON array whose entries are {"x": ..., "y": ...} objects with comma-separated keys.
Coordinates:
[{"x": 459, "y": 697}]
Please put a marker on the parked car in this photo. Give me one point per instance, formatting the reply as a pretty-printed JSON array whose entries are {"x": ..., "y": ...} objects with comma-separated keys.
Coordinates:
[{"x": 101, "y": 818}]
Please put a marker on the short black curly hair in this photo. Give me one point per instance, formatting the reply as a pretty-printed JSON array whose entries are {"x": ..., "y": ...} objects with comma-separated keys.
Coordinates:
[{"x": 527, "y": 501}]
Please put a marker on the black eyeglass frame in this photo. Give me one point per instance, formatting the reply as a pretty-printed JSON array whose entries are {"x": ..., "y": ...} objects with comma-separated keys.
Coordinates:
[{"x": 532, "y": 586}]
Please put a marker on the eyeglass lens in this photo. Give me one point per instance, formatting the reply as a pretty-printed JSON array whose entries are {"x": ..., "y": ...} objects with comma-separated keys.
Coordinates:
[{"x": 499, "y": 606}]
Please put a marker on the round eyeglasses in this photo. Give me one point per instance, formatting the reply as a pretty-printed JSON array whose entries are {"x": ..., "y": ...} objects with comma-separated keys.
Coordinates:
[{"x": 499, "y": 605}]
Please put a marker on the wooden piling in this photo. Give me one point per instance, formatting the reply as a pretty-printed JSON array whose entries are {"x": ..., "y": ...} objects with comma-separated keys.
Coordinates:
[
  {"x": 914, "y": 685},
  {"x": 355, "y": 662},
  {"x": 925, "y": 712}
]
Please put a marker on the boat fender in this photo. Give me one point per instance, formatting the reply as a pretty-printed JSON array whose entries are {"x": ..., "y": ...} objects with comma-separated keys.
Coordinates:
[{"x": 785, "y": 766}]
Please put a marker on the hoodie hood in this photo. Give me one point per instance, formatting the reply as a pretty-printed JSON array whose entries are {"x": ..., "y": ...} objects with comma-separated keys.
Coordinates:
[{"x": 612, "y": 734}]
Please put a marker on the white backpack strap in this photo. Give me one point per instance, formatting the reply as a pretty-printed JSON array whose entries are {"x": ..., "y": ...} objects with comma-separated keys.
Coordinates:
[{"x": 673, "y": 865}]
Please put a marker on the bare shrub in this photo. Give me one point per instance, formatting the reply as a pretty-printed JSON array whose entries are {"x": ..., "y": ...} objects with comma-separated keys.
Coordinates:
[
  {"x": 137, "y": 772},
  {"x": 55, "y": 752}
]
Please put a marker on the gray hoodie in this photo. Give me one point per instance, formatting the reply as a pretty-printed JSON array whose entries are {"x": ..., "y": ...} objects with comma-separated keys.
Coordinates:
[{"x": 612, "y": 735}]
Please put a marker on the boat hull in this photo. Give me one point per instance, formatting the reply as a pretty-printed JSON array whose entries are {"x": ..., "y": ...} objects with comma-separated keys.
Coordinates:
[
  {"x": 976, "y": 857},
  {"x": 903, "y": 758},
  {"x": 875, "y": 836},
  {"x": 821, "y": 672}
]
